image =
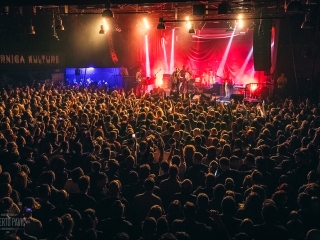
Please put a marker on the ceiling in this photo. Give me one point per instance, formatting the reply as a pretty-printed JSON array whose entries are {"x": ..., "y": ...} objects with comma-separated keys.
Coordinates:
[{"x": 170, "y": 10}]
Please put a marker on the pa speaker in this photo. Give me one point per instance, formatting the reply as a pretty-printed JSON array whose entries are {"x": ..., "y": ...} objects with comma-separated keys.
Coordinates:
[
  {"x": 199, "y": 10},
  {"x": 237, "y": 97},
  {"x": 262, "y": 45}
]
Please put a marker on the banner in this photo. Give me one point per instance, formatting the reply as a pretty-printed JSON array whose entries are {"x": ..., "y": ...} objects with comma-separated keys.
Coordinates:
[{"x": 53, "y": 60}]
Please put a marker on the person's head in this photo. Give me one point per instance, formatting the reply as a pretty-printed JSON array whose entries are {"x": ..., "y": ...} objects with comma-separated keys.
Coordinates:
[
  {"x": 95, "y": 166},
  {"x": 164, "y": 165},
  {"x": 68, "y": 224},
  {"x": 229, "y": 184},
  {"x": 182, "y": 236},
  {"x": 313, "y": 234},
  {"x": 117, "y": 209},
  {"x": 83, "y": 183},
  {"x": 76, "y": 174},
  {"x": 212, "y": 153},
  {"x": 149, "y": 184},
  {"x": 224, "y": 163},
  {"x": 313, "y": 176},
  {"x": 167, "y": 236},
  {"x": 186, "y": 186},
  {"x": 119, "y": 236},
  {"x": 189, "y": 151},
  {"x": 149, "y": 228},
  {"x": 269, "y": 213},
  {"x": 144, "y": 171},
  {"x": 228, "y": 206},
  {"x": 44, "y": 191},
  {"x": 197, "y": 158},
  {"x": 173, "y": 171},
  {"x": 155, "y": 212},
  {"x": 256, "y": 177},
  {"x": 234, "y": 162},
  {"x": 213, "y": 166},
  {"x": 246, "y": 226},
  {"x": 304, "y": 201},
  {"x": 189, "y": 210},
  {"x": 21, "y": 180},
  {"x": 174, "y": 209},
  {"x": 56, "y": 227},
  {"x": 114, "y": 188},
  {"x": 202, "y": 200},
  {"x": 210, "y": 180}
]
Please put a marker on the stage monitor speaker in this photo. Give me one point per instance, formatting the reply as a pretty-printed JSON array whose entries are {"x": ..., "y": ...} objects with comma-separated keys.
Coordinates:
[
  {"x": 199, "y": 10},
  {"x": 237, "y": 97},
  {"x": 262, "y": 45},
  {"x": 215, "y": 90}
]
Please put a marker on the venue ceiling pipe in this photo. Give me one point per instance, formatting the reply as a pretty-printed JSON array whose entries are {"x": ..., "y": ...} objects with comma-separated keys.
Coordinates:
[
  {"x": 307, "y": 24},
  {"x": 311, "y": 2},
  {"x": 108, "y": 13}
]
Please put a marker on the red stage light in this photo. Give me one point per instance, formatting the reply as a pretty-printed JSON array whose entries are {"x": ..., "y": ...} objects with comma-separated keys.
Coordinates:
[{"x": 253, "y": 87}]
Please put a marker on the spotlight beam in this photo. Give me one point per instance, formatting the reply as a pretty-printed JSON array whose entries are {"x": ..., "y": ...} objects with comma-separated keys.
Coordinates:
[
  {"x": 165, "y": 55},
  {"x": 226, "y": 53},
  {"x": 147, "y": 57},
  {"x": 172, "y": 53},
  {"x": 244, "y": 65}
]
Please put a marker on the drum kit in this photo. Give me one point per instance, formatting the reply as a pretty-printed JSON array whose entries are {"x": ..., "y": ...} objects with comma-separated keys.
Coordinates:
[{"x": 205, "y": 78}]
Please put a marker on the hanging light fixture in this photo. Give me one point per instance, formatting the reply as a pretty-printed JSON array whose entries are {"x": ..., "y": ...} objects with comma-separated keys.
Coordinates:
[
  {"x": 31, "y": 29},
  {"x": 161, "y": 24},
  {"x": 191, "y": 30},
  {"x": 108, "y": 13},
  {"x": 59, "y": 26},
  {"x": 294, "y": 6},
  {"x": 307, "y": 24},
  {"x": 102, "y": 30}
]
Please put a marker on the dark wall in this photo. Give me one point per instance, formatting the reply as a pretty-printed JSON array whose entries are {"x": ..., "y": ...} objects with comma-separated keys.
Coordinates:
[
  {"x": 297, "y": 57},
  {"x": 79, "y": 45}
]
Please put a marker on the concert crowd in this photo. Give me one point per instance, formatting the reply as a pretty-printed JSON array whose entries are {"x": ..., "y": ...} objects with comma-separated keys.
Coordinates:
[{"x": 87, "y": 164}]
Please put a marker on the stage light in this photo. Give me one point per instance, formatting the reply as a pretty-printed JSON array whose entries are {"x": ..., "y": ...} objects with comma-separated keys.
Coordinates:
[
  {"x": 188, "y": 23},
  {"x": 146, "y": 24},
  {"x": 102, "y": 30},
  {"x": 60, "y": 25},
  {"x": 240, "y": 21},
  {"x": 107, "y": 13},
  {"x": 161, "y": 24},
  {"x": 191, "y": 30},
  {"x": 253, "y": 87},
  {"x": 31, "y": 30},
  {"x": 294, "y": 6},
  {"x": 307, "y": 24}
]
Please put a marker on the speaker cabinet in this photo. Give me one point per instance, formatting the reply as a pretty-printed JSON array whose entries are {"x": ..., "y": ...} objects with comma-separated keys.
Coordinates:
[
  {"x": 237, "y": 97},
  {"x": 262, "y": 45}
]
